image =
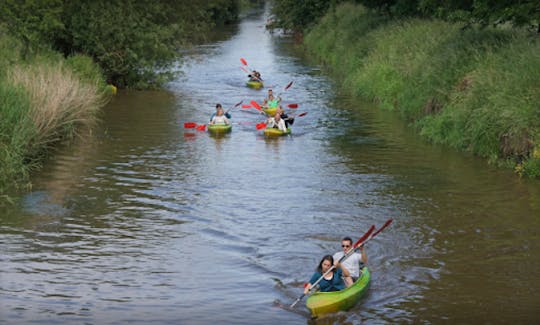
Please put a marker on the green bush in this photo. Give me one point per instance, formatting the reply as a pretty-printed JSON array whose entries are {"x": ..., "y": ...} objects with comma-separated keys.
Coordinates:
[{"x": 473, "y": 89}]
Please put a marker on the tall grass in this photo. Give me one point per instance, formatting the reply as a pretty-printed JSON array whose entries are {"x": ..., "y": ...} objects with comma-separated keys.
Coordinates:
[
  {"x": 60, "y": 102},
  {"x": 42, "y": 102},
  {"x": 475, "y": 90}
]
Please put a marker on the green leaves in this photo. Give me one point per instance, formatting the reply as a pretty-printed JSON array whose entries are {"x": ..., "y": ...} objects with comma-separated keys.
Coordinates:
[{"x": 135, "y": 42}]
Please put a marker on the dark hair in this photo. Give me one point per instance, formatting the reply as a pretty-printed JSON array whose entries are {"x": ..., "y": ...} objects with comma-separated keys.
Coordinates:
[
  {"x": 325, "y": 258},
  {"x": 218, "y": 105},
  {"x": 347, "y": 239}
]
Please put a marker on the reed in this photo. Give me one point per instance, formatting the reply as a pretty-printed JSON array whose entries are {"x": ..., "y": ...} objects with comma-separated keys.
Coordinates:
[
  {"x": 42, "y": 102},
  {"x": 60, "y": 102}
]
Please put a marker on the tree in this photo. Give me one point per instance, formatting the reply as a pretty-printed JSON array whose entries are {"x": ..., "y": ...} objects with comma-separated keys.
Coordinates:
[{"x": 34, "y": 22}]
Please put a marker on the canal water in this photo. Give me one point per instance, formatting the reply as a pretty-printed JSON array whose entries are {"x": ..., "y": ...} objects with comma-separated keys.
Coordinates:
[{"x": 146, "y": 222}]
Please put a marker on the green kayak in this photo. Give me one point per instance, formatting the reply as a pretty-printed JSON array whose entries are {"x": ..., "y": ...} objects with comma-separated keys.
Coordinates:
[
  {"x": 273, "y": 132},
  {"x": 254, "y": 84},
  {"x": 321, "y": 303},
  {"x": 219, "y": 128}
]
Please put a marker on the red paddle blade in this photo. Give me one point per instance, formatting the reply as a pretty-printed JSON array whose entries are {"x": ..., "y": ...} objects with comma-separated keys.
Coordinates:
[
  {"x": 190, "y": 125},
  {"x": 244, "y": 62},
  {"x": 256, "y": 105},
  {"x": 386, "y": 224},
  {"x": 260, "y": 126},
  {"x": 292, "y": 106},
  {"x": 201, "y": 127},
  {"x": 366, "y": 235},
  {"x": 302, "y": 114},
  {"x": 289, "y": 85},
  {"x": 246, "y": 106}
]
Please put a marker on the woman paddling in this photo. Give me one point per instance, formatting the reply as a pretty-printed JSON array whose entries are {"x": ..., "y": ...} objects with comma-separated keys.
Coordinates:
[{"x": 333, "y": 280}]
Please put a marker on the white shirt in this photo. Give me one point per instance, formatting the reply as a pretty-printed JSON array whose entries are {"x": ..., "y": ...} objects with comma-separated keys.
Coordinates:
[
  {"x": 220, "y": 120},
  {"x": 352, "y": 263},
  {"x": 280, "y": 125}
]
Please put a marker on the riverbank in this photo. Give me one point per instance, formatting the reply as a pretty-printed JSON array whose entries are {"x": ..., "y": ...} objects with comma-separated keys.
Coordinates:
[
  {"x": 472, "y": 89},
  {"x": 44, "y": 100}
]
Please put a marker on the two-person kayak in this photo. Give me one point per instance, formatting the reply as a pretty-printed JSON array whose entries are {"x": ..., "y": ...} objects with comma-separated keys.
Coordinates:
[
  {"x": 274, "y": 132},
  {"x": 322, "y": 303}
]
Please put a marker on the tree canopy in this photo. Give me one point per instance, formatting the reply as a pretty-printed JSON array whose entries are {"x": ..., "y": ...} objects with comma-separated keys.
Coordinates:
[
  {"x": 297, "y": 15},
  {"x": 135, "y": 42}
]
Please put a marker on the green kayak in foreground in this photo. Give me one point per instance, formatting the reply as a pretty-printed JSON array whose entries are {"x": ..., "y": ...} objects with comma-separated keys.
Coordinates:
[
  {"x": 219, "y": 128},
  {"x": 273, "y": 132},
  {"x": 321, "y": 303}
]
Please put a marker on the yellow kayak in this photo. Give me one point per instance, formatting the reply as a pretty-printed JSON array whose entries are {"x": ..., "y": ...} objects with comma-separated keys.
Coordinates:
[
  {"x": 254, "y": 84},
  {"x": 219, "y": 128},
  {"x": 273, "y": 132},
  {"x": 270, "y": 111}
]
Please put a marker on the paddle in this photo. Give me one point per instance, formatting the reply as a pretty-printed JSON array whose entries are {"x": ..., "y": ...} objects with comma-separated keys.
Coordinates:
[
  {"x": 236, "y": 105},
  {"x": 285, "y": 89},
  {"x": 198, "y": 127},
  {"x": 256, "y": 105},
  {"x": 292, "y": 106},
  {"x": 349, "y": 253}
]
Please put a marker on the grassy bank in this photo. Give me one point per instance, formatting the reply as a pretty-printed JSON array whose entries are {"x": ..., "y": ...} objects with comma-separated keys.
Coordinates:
[
  {"x": 43, "y": 100},
  {"x": 473, "y": 89}
]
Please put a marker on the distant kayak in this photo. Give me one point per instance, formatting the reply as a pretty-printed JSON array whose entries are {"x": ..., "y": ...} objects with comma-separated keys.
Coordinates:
[
  {"x": 273, "y": 132},
  {"x": 254, "y": 84},
  {"x": 219, "y": 128},
  {"x": 321, "y": 303}
]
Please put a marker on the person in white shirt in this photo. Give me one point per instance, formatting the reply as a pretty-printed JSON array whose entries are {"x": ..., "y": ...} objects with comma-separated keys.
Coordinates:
[
  {"x": 220, "y": 117},
  {"x": 352, "y": 263},
  {"x": 277, "y": 122}
]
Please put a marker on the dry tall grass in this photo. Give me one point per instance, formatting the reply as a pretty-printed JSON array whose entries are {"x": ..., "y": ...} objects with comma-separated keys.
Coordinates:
[{"x": 60, "y": 102}]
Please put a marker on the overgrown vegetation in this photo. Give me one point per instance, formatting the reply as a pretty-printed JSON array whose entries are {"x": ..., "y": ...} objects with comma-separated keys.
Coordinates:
[
  {"x": 476, "y": 89},
  {"x": 56, "y": 55}
]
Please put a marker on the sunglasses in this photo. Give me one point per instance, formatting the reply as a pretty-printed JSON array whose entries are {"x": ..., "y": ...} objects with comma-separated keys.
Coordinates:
[{"x": 345, "y": 246}]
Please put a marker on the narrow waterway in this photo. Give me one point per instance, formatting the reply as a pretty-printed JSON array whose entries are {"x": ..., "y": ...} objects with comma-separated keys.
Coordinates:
[{"x": 145, "y": 222}]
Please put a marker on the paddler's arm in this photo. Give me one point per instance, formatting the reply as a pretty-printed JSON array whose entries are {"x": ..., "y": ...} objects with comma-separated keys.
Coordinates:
[{"x": 363, "y": 253}]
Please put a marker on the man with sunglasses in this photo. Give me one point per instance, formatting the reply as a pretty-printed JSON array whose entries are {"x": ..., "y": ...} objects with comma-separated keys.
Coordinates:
[{"x": 353, "y": 262}]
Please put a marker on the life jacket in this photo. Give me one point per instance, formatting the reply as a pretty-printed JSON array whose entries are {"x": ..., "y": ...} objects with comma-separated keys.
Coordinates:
[{"x": 273, "y": 103}]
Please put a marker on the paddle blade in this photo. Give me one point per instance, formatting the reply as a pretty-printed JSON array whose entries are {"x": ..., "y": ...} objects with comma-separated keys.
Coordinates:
[
  {"x": 289, "y": 85},
  {"x": 244, "y": 62},
  {"x": 201, "y": 127},
  {"x": 363, "y": 238},
  {"x": 292, "y": 106},
  {"x": 260, "y": 126},
  {"x": 302, "y": 114},
  {"x": 386, "y": 224},
  {"x": 246, "y": 106},
  {"x": 190, "y": 125},
  {"x": 256, "y": 105}
]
